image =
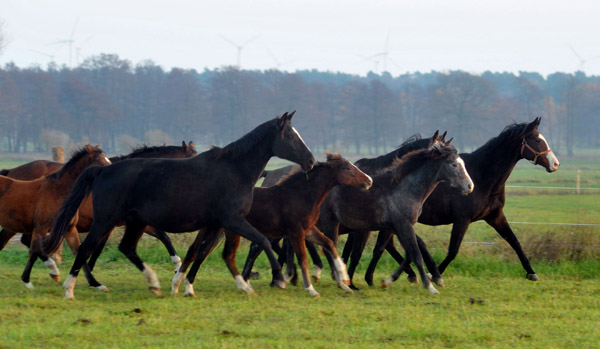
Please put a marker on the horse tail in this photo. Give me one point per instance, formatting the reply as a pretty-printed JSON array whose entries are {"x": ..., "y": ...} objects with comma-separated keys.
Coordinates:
[
  {"x": 264, "y": 174},
  {"x": 4, "y": 172},
  {"x": 69, "y": 208}
]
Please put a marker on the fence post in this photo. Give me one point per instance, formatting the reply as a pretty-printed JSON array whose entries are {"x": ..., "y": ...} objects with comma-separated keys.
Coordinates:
[
  {"x": 578, "y": 185},
  {"x": 58, "y": 154}
]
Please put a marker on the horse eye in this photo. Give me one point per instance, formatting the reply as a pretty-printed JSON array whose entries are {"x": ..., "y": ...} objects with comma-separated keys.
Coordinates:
[{"x": 454, "y": 165}]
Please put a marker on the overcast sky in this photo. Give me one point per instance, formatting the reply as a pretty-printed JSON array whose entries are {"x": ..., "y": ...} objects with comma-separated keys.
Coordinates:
[{"x": 330, "y": 35}]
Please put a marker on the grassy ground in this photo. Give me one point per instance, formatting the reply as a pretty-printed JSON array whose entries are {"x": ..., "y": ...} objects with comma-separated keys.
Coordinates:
[{"x": 487, "y": 302}]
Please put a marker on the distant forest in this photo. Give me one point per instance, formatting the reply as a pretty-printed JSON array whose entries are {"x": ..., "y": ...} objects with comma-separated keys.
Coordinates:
[{"x": 111, "y": 102}]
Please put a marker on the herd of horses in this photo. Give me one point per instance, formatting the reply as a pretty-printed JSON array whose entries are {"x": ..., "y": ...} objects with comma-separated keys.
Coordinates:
[{"x": 174, "y": 189}]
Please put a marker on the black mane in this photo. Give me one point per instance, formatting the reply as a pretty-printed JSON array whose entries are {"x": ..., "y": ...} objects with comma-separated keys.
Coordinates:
[
  {"x": 510, "y": 132},
  {"x": 152, "y": 151},
  {"x": 384, "y": 161},
  {"x": 77, "y": 155},
  {"x": 412, "y": 161},
  {"x": 296, "y": 174},
  {"x": 247, "y": 142}
]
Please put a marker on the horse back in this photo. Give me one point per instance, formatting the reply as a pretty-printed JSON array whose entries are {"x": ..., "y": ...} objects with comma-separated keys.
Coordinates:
[{"x": 34, "y": 170}]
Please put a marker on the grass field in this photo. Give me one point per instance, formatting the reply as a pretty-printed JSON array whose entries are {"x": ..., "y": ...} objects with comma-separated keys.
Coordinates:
[{"x": 487, "y": 302}]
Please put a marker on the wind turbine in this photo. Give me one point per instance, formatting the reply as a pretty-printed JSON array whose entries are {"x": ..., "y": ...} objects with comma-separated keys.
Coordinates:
[
  {"x": 239, "y": 47},
  {"x": 79, "y": 47},
  {"x": 51, "y": 56},
  {"x": 277, "y": 62},
  {"x": 70, "y": 41},
  {"x": 582, "y": 60}
]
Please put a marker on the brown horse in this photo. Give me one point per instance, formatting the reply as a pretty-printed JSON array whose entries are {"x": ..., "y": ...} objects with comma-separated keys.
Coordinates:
[
  {"x": 29, "y": 206},
  {"x": 32, "y": 170},
  {"x": 26, "y": 171},
  {"x": 288, "y": 209}
]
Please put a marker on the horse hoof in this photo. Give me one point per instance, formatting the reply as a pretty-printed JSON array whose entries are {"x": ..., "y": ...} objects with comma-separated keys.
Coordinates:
[
  {"x": 413, "y": 279},
  {"x": 352, "y": 287},
  {"x": 254, "y": 275},
  {"x": 280, "y": 284},
  {"x": 69, "y": 298},
  {"x": 103, "y": 288},
  {"x": 189, "y": 294},
  {"x": 386, "y": 283},
  {"x": 294, "y": 280},
  {"x": 533, "y": 277},
  {"x": 439, "y": 281},
  {"x": 316, "y": 295},
  {"x": 429, "y": 276},
  {"x": 29, "y": 285},
  {"x": 55, "y": 277},
  {"x": 315, "y": 279},
  {"x": 432, "y": 289},
  {"x": 155, "y": 290}
]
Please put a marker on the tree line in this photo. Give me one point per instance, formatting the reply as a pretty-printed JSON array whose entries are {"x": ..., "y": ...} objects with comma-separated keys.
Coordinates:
[{"x": 111, "y": 102}]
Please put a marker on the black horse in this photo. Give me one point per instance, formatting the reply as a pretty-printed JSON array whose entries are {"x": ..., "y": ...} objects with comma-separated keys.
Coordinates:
[
  {"x": 213, "y": 189},
  {"x": 489, "y": 167},
  {"x": 395, "y": 199}
]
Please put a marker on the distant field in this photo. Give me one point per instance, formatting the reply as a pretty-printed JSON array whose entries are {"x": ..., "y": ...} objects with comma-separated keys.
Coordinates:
[{"x": 487, "y": 302}]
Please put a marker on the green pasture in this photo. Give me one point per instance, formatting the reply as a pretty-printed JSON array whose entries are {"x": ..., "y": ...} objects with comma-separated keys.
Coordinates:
[{"x": 487, "y": 302}]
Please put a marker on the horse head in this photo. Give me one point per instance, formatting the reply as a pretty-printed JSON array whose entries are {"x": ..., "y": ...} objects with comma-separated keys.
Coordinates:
[
  {"x": 290, "y": 145},
  {"x": 535, "y": 148}
]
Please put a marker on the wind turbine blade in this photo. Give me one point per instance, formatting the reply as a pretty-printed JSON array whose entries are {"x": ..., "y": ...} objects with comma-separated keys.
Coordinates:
[
  {"x": 575, "y": 52},
  {"x": 229, "y": 41},
  {"x": 87, "y": 40},
  {"x": 274, "y": 58},
  {"x": 74, "y": 27},
  {"x": 249, "y": 41}
]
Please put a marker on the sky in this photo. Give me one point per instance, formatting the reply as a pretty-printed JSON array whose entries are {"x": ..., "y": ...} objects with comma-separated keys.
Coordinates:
[{"x": 346, "y": 36}]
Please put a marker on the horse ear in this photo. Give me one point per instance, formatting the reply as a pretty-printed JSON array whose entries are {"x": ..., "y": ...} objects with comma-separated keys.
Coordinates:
[
  {"x": 184, "y": 146},
  {"x": 443, "y": 136},
  {"x": 291, "y": 115},
  {"x": 435, "y": 135},
  {"x": 89, "y": 148},
  {"x": 449, "y": 141},
  {"x": 191, "y": 145},
  {"x": 283, "y": 119},
  {"x": 537, "y": 121}
]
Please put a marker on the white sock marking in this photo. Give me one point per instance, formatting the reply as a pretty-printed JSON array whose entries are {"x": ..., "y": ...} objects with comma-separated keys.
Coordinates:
[
  {"x": 150, "y": 276},
  {"x": 29, "y": 285},
  {"x": 69, "y": 285},
  {"x": 317, "y": 272},
  {"x": 312, "y": 291},
  {"x": 50, "y": 264},
  {"x": 341, "y": 268},
  {"x": 176, "y": 282},
  {"x": 243, "y": 285},
  {"x": 189, "y": 288}
]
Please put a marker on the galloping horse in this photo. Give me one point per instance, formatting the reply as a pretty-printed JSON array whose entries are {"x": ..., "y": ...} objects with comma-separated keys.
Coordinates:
[
  {"x": 85, "y": 213},
  {"x": 290, "y": 208},
  {"x": 29, "y": 206},
  {"x": 211, "y": 190},
  {"x": 396, "y": 198},
  {"x": 489, "y": 167}
]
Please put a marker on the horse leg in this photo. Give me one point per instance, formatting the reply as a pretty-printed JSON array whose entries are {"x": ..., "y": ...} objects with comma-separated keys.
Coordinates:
[
  {"x": 239, "y": 225},
  {"x": 253, "y": 253},
  {"x": 391, "y": 248},
  {"x": 383, "y": 239},
  {"x": 35, "y": 253},
  {"x": 26, "y": 240},
  {"x": 127, "y": 246},
  {"x": 291, "y": 275},
  {"x": 166, "y": 240},
  {"x": 408, "y": 239},
  {"x": 297, "y": 241},
  {"x": 358, "y": 247},
  {"x": 232, "y": 242},
  {"x": 94, "y": 257},
  {"x": 317, "y": 262},
  {"x": 341, "y": 275},
  {"x": 5, "y": 237},
  {"x": 72, "y": 239},
  {"x": 189, "y": 257},
  {"x": 498, "y": 221},
  {"x": 348, "y": 248},
  {"x": 436, "y": 277},
  {"x": 100, "y": 230},
  {"x": 209, "y": 241},
  {"x": 458, "y": 233}
]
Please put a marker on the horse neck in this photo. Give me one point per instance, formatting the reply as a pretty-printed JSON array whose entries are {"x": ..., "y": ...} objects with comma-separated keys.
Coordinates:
[
  {"x": 70, "y": 174},
  {"x": 319, "y": 184},
  {"x": 252, "y": 164},
  {"x": 424, "y": 180},
  {"x": 491, "y": 166}
]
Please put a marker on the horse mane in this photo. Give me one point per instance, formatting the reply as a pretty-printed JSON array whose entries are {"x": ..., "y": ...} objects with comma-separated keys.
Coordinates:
[
  {"x": 412, "y": 161},
  {"x": 144, "y": 149},
  {"x": 4, "y": 172},
  {"x": 78, "y": 154},
  {"x": 244, "y": 144},
  {"x": 510, "y": 132},
  {"x": 296, "y": 173},
  {"x": 385, "y": 160}
]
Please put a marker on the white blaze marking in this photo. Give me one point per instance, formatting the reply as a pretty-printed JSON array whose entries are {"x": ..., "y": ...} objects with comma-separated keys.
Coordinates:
[
  {"x": 302, "y": 140},
  {"x": 461, "y": 164},
  {"x": 552, "y": 159},
  {"x": 107, "y": 160}
]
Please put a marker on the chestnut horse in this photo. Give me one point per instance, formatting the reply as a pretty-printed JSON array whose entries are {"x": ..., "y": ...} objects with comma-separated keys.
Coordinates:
[
  {"x": 85, "y": 214},
  {"x": 288, "y": 209},
  {"x": 29, "y": 206},
  {"x": 213, "y": 189}
]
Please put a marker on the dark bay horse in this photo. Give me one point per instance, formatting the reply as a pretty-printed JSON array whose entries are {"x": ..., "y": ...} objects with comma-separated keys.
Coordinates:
[
  {"x": 489, "y": 167},
  {"x": 29, "y": 206},
  {"x": 211, "y": 190},
  {"x": 289, "y": 209},
  {"x": 85, "y": 213},
  {"x": 370, "y": 166},
  {"x": 396, "y": 198}
]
